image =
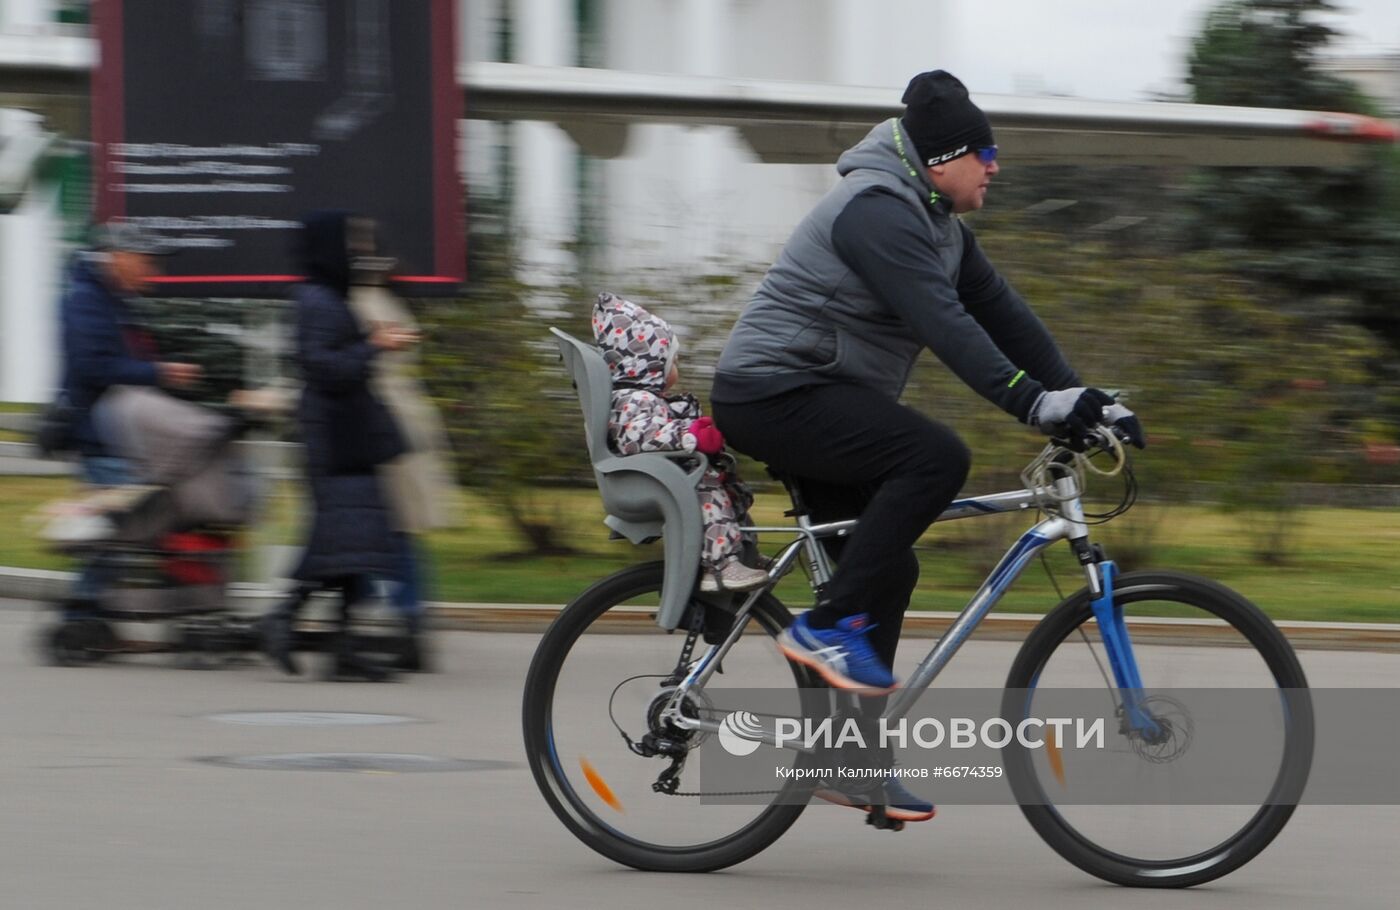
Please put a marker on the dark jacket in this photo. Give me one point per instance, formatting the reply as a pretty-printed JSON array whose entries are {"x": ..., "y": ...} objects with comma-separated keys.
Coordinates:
[
  {"x": 103, "y": 346},
  {"x": 347, "y": 432},
  {"x": 880, "y": 270}
]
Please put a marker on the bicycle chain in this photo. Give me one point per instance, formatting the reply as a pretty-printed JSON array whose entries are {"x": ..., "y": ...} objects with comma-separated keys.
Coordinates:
[
  {"x": 697, "y": 625},
  {"x": 728, "y": 793}
]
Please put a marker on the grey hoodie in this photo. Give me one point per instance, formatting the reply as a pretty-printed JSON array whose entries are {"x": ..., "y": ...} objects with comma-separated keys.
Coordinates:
[{"x": 878, "y": 271}]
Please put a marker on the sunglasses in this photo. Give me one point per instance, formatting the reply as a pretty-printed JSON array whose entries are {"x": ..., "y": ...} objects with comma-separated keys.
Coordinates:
[{"x": 985, "y": 154}]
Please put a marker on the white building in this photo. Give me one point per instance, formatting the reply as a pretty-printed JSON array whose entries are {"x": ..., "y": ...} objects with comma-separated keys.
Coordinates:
[
  {"x": 683, "y": 199},
  {"x": 675, "y": 198},
  {"x": 1378, "y": 75},
  {"x": 681, "y": 196}
]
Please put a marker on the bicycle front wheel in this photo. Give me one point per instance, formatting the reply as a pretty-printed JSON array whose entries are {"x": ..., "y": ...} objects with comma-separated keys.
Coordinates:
[
  {"x": 1202, "y": 651},
  {"x": 600, "y": 678}
]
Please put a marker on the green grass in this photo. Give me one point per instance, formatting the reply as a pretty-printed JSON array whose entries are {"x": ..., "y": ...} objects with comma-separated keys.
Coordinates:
[
  {"x": 1342, "y": 566},
  {"x": 12, "y": 407},
  {"x": 20, "y": 501}
]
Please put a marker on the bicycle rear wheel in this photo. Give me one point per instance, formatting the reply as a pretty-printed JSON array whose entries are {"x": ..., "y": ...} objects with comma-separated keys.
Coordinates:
[
  {"x": 1205, "y": 652},
  {"x": 595, "y": 687}
]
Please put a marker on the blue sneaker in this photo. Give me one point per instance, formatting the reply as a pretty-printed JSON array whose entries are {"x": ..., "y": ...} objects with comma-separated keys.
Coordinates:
[
  {"x": 842, "y": 655},
  {"x": 901, "y": 804}
]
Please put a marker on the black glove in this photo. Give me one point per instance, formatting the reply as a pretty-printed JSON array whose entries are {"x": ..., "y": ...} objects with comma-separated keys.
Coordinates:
[{"x": 1126, "y": 424}]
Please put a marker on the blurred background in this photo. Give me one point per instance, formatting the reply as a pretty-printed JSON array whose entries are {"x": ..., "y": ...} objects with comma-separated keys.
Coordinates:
[{"x": 1248, "y": 311}]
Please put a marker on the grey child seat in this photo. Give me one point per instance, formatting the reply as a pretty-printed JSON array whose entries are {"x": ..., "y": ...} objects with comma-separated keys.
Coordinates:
[{"x": 646, "y": 496}]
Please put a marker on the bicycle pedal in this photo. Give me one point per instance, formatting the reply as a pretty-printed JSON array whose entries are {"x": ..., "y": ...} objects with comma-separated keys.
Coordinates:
[{"x": 878, "y": 820}]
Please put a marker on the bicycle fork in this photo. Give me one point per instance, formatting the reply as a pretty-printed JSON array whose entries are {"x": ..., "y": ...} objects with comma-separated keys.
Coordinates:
[{"x": 1118, "y": 646}]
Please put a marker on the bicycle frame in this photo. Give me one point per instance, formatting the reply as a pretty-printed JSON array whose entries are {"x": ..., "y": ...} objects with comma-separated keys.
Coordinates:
[{"x": 1065, "y": 523}]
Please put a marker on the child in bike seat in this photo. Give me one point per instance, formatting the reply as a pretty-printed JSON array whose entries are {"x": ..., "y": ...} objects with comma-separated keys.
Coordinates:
[{"x": 640, "y": 350}]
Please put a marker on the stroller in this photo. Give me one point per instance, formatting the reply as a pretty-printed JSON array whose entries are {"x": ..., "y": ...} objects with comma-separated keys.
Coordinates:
[{"x": 164, "y": 548}]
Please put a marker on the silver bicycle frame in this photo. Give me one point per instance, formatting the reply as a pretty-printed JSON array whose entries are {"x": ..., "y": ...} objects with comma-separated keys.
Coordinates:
[{"x": 1066, "y": 524}]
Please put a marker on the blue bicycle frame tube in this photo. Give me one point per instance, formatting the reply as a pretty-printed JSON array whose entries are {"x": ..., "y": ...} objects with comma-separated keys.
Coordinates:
[{"x": 1119, "y": 648}]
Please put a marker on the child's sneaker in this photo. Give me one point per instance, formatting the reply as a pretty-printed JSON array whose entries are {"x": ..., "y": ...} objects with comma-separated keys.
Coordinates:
[
  {"x": 842, "y": 655},
  {"x": 734, "y": 576}
]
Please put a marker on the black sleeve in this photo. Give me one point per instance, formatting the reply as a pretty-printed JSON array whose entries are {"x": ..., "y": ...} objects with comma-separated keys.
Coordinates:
[
  {"x": 885, "y": 242},
  {"x": 1009, "y": 321},
  {"x": 331, "y": 358}
]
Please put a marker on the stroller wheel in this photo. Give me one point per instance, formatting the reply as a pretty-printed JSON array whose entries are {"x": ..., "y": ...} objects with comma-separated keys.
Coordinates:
[
  {"x": 101, "y": 640},
  {"x": 61, "y": 647},
  {"x": 77, "y": 642},
  {"x": 208, "y": 643}
]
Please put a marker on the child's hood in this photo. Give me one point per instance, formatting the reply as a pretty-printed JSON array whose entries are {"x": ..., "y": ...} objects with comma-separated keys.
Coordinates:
[{"x": 638, "y": 347}]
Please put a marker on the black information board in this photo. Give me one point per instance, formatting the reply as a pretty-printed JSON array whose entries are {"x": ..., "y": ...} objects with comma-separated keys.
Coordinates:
[{"x": 219, "y": 123}]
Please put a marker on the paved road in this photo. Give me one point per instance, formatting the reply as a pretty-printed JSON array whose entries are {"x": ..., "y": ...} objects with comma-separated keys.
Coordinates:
[{"x": 106, "y": 804}]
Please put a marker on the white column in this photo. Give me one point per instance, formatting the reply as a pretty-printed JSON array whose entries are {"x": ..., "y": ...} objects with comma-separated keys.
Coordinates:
[
  {"x": 545, "y": 191},
  {"x": 26, "y": 15},
  {"x": 479, "y": 140},
  {"x": 888, "y": 42},
  {"x": 476, "y": 28},
  {"x": 545, "y": 32},
  {"x": 30, "y": 251},
  {"x": 855, "y": 31},
  {"x": 702, "y": 23},
  {"x": 705, "y": 155}
]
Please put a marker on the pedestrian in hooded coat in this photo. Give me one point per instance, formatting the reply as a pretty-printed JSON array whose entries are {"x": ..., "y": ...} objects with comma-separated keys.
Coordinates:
[{"x": 347, "y": 434}]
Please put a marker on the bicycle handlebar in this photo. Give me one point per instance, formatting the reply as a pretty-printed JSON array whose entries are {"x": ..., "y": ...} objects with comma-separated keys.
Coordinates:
[
  {"x": 1102, "y": 438},
  {"x": 1074, "y": 459}
]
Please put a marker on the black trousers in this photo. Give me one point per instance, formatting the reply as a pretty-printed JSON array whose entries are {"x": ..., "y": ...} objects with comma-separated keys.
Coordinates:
[{"x": 854, "y": 453}]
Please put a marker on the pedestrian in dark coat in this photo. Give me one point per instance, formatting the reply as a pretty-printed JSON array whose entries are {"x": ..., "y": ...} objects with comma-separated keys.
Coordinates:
[{"x": 347, "y": 434}]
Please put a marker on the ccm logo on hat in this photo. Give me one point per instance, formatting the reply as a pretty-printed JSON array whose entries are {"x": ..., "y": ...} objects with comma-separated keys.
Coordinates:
[{"x": 947, "y": 156}]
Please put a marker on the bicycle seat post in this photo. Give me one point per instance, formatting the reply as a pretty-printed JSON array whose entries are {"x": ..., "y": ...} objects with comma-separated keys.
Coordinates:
[
  {"x": 799, "y": 506},
  {"x": 818, "y": 567}
]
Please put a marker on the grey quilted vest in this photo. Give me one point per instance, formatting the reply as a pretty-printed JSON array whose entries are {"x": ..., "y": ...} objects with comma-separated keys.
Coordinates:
[{"x": 812, "y": 320}]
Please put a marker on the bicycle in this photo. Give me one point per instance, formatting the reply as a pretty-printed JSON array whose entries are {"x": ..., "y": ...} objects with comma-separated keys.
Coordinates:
[{"x": 662, "y": 715}]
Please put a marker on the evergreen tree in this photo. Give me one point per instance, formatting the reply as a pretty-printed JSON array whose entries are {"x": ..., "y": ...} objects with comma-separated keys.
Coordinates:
[{"x": 1326, "y": 235}]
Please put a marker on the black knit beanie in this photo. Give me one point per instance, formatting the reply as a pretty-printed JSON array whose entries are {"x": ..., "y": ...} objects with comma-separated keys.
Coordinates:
[{"x": 941, "y": 118}]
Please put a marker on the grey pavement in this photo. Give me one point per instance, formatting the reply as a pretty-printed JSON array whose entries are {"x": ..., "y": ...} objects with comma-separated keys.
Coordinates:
[
  {"x": 107, "y": 803},
  {"x": 22, "y": 459}
]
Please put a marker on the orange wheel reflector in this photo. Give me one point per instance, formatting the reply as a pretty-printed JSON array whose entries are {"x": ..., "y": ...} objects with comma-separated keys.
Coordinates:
[
  {"x": 600, "y": 786},
  {"x": 1057, "y": 763}
]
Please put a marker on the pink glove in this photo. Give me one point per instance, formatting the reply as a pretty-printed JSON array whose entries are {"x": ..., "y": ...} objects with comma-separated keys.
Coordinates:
[{"x": 708, "y": 439}]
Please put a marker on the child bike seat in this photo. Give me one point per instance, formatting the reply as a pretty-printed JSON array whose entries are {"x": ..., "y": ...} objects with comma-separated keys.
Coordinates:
[{"x": 646, "y": 496}]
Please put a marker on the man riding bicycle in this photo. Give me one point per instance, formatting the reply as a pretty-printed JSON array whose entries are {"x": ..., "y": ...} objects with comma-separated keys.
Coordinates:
[{"x": 810, "y": 377}]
